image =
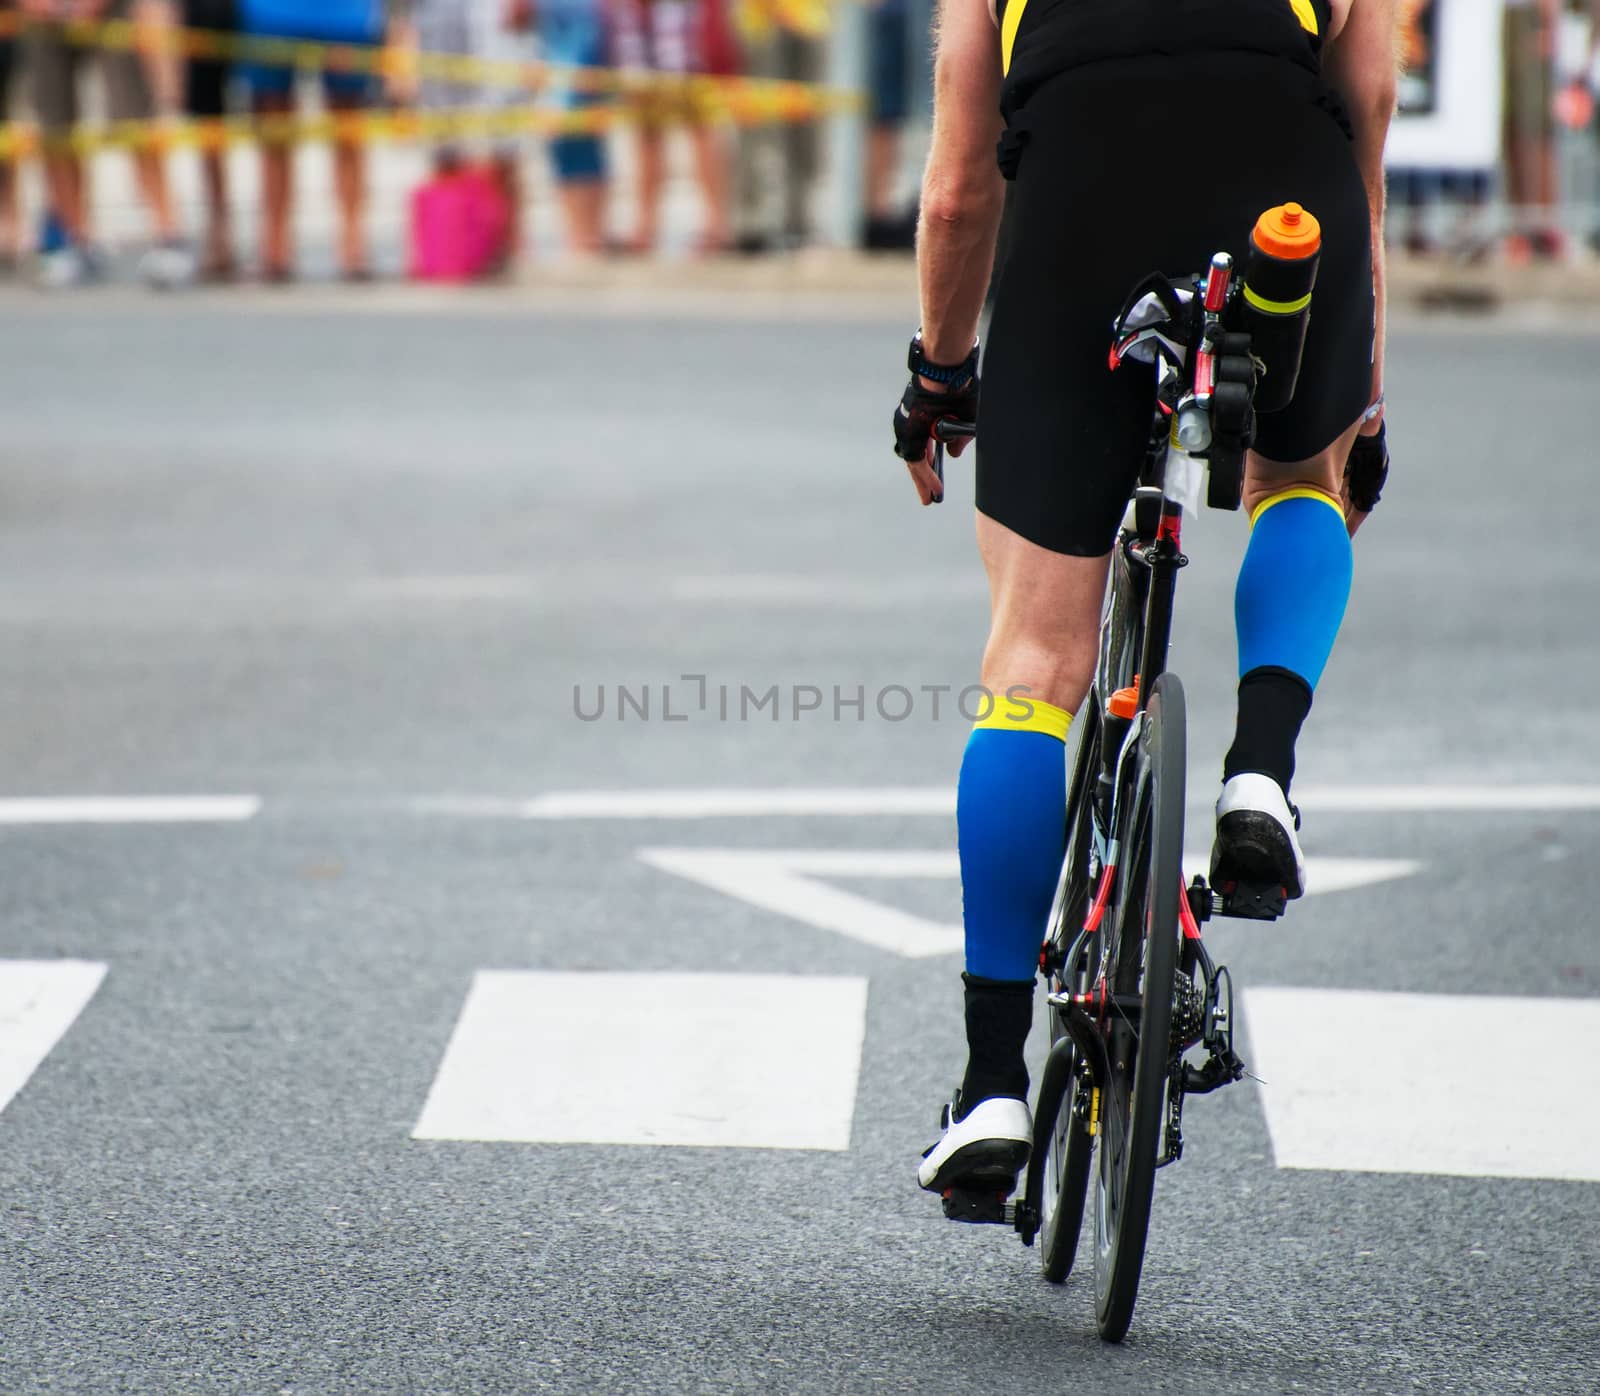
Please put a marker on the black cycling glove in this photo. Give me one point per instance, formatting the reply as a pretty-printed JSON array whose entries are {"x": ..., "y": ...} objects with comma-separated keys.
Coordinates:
[
  {"x": 1367, "y": 470},
  {"x": 920, "y": 409}
]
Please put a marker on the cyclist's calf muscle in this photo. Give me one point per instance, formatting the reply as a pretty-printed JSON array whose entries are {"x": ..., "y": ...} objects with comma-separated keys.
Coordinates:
[{"x": 1044, "y": 632}]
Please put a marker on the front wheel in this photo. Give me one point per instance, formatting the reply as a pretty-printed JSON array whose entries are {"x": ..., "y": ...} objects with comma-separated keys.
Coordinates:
[{"x": 1142, "y": 963}]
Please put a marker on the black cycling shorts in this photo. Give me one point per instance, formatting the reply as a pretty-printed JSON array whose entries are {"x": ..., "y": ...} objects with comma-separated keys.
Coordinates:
[{"x": 1144, "y": 165}]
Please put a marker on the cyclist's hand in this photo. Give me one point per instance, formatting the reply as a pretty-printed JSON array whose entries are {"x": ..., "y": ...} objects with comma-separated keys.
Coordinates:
[
  {"x": 920, "y": 408},
  {"x": 1364, "y": 476}
]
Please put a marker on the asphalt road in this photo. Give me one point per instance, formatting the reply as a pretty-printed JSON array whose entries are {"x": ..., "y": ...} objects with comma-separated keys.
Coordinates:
[{"x": 355, "y": 562}]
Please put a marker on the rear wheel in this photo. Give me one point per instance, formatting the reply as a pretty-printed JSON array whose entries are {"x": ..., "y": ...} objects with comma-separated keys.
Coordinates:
[
  {"x": 1143, "y": 951},
  {"x": 1067, "y": 1146}
]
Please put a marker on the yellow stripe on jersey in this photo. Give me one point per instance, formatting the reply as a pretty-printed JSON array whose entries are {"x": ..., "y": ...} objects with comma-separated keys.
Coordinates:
[
  {"x": 1008, "y": 32},
  {"x": 1307, "y": 16}
]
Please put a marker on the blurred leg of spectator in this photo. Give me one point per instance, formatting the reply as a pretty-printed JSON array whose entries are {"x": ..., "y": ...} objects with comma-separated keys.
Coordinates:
[
  {"x": 663, "y": 36},
  {"x": 10, "y": 217},
  {"x": 777, "y": 164},
  {"x": 573, "y": 34},
  {"x": 1530, "y": 32},
  {"x": 358, "y": 22},
  {"x": 205, "y": 92},
  {"x": 888, "y": 225},
  {"x": 54, "y": 66}
]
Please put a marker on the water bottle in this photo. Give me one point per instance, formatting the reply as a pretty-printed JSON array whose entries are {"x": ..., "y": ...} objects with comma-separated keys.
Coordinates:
[{"x": 1280, "y": 274}]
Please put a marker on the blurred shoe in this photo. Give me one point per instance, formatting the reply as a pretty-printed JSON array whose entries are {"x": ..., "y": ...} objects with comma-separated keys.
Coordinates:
[
  {"x": 67, "y": 267},
  {"x": 890, "y": 234},
  {"x": 754, "y": 244},
  {"x": 167, "y": 266}
]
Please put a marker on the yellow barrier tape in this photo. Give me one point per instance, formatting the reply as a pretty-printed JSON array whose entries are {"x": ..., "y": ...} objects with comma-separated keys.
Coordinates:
[
  {"x": 20, "y": 141},
  {"x": 393, "y": 61}
]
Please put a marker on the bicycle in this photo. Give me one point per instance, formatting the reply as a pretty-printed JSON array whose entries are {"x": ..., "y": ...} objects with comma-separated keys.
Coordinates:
[{"x": 1133, "y": 991}]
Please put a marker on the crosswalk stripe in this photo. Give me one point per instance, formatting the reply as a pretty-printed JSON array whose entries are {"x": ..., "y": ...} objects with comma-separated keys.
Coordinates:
[
  {"x": 39, "y": 1001},
  {"x": 727, "y": 1060},
  {"x": 1463, "y": 1085}
]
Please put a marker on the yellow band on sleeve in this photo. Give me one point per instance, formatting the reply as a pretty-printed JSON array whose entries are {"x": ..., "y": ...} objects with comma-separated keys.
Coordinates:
[
  {"x": 1298, "y": 492},
  {"x": 1024, "y": 714}
]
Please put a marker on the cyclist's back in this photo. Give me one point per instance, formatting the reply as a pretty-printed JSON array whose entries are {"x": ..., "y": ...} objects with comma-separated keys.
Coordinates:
[{"x": 1101, "y": 121}]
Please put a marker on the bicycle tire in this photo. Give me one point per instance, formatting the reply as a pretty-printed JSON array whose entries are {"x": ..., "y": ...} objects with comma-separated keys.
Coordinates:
[
  {"x": 1067, "y": 1147},
  {"x": 1133, "y": 1105}
]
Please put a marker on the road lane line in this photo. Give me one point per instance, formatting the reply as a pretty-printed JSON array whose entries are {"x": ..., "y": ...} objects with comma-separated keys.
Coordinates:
[
  {"x": 750, "y": 1061},
  {"x": 738, "y": 804},
  {"x": 39, "y": 1001},
  {"x": 131, "y": 809},
  {"x": 1462, "y": 1085},
  {"x": 716, "y": 803},
  {"x": 786, "y": 881}
]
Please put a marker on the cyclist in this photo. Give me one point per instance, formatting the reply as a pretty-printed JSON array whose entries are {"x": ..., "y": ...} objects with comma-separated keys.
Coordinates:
[{"x": 1140, "y": 136}]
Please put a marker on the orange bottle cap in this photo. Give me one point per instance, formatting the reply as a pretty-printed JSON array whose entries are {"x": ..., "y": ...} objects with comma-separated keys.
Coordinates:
[
  {"x": 1124, "y": 703},
  {"x": 1289, "y": 232}
]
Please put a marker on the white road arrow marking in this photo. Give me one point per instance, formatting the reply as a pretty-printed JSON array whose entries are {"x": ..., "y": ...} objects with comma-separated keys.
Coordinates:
[
  {"x": 787, "y": 881},
  {"x": 1453, "y": 1084},
  {"x": 39, "y": 1001}
]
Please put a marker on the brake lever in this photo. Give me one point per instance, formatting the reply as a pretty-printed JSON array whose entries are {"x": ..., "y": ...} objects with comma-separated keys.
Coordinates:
[{"x": 948, "y": 429}]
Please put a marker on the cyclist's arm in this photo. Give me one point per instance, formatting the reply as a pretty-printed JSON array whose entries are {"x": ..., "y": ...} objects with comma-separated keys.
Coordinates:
[
  {"x": 962, "y": 191},
  {"x": 1363, "y": 63}
]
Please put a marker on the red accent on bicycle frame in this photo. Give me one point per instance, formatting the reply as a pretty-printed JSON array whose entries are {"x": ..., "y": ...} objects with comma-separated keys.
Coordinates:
[
  {"x": 1171, "y": 526},
  {"x": 1191, "y": 927},
  {"x": 1091, "y": 922},
  {"x": 1205, "y": 374},
  {"x": 1217, "y": 282}
]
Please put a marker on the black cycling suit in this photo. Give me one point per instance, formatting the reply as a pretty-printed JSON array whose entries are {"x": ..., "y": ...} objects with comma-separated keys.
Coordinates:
[{"x": 1145, "y": 135}]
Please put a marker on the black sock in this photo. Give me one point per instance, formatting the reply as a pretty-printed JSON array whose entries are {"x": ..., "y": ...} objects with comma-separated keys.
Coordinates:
[
  {"x": 999, "y": 1015},
  {"x": 1272, "y": 705}
]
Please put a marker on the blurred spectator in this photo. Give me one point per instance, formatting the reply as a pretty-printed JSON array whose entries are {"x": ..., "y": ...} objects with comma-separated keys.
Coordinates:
[
  {"x": 10, "y": 217},
  {"x": 668, "y": 37},
  {"x": 889, "y": 226},
  {"x": 272, "y": 89},
  {"x": 573, "y": 35},
  {"x": 205, "y": 91},
  {"x": 778, "y": 164},
  {"x": 1440, "y": 210},
  {"x": 486, "y": 30},
  {"x": 54, "y": 66},
  {"x": 1530, "y": 41}
]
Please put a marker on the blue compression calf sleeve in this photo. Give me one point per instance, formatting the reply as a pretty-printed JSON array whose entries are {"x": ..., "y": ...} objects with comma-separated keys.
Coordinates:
[
  {"x": 1294, "y": 584},
  {"x": 1011, "y": 821}
]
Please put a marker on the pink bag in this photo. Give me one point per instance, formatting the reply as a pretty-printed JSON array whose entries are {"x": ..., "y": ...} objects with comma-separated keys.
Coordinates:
[{"x": 459, "y": 224}]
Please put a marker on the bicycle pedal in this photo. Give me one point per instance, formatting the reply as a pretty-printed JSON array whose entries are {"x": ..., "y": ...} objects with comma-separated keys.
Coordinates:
[
  {"x": 978, "y": 1206},
  {"x": 1254, "y": 901}
]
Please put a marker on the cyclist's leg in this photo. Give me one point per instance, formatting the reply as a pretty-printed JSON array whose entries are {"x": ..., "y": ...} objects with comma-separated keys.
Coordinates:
[
  {"x": 1012, "y": 793},
  {"x": 1290, "y": 601},
  {"x": 1010, "y": 820}
]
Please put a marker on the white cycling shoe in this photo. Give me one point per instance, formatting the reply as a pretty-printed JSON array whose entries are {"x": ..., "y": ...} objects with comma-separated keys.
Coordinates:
[
  {"x": 1256, "y": 838},
  {"x": 986, "y": 1149}
]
